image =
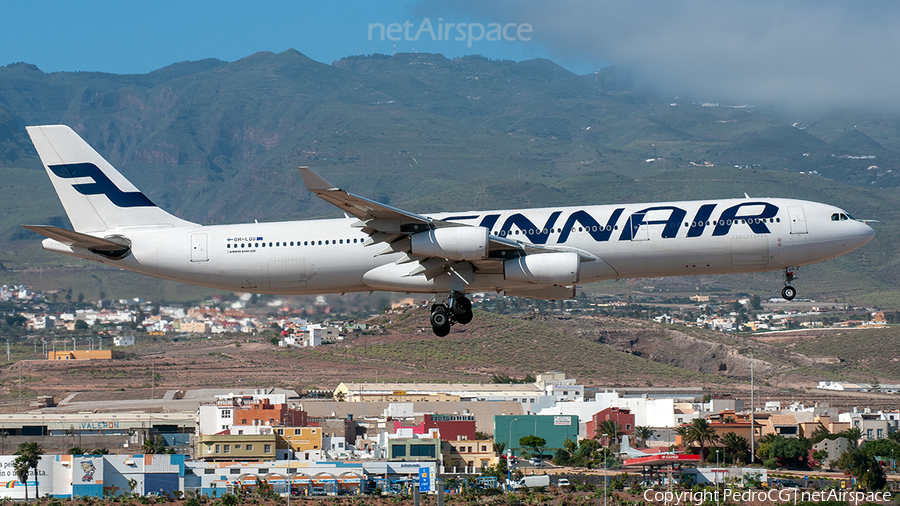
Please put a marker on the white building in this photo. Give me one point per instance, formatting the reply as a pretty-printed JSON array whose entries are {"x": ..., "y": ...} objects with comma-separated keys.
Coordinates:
[{"x": 123, "y": 340}]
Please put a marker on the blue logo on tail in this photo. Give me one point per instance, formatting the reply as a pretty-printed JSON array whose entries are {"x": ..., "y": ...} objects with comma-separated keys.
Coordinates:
[{"x": 101, "y": 185}]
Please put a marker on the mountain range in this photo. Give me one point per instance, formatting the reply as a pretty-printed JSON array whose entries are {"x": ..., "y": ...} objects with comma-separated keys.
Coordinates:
[{"x": 215, "y": 141}]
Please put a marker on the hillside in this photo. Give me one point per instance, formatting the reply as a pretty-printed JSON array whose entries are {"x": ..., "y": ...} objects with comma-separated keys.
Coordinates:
[
  {"x": 599, "y": 352},
  {"x": 218, "y": 142}
]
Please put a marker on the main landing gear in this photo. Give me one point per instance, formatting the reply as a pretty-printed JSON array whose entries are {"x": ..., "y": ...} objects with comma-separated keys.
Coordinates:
[
  {"x": 789, "y": 292},
  {"x": 456, "y": 309}
]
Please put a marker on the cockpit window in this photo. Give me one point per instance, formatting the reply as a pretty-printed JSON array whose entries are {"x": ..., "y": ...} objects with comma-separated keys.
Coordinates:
[
  {"x": 835, "y": 217},
  {"x": 841, "y": 217}
]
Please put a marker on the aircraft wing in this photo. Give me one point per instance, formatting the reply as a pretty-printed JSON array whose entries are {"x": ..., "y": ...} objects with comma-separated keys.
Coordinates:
[
  {"x": 392, "y": 226},
  {"x": 76, "y": 239},
  {"x": 360, "y": 207}
]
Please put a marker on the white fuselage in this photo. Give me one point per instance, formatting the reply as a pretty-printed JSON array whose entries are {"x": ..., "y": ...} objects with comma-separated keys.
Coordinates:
[{"x": 624, "y": 241}]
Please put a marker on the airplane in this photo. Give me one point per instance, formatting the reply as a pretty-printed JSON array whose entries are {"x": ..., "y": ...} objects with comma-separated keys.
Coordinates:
[
  {"x": 635, "y": 453},
  {"x": 535, "y": 253}
]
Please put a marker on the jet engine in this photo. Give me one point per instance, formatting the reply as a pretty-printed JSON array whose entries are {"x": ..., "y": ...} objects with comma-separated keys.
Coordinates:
[
  {"x": 454, "y": 243},
  {"x": 543, "y": 268}
]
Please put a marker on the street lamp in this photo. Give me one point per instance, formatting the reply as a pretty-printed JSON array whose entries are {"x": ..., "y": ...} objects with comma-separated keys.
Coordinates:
[
  {"x": 605, "y": 478},
  {"x": 717, "y": 476},
  {"x": 509, "y": 455}
]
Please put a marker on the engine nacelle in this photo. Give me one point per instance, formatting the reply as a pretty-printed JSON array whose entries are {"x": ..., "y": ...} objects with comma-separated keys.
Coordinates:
[
  {"x": 454, "y": 243},
  {"x": 543, "y": 268}
]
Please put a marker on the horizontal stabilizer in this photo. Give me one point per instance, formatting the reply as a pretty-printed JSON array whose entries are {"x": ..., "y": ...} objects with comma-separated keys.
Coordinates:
[{"x": 77, "y": 239}]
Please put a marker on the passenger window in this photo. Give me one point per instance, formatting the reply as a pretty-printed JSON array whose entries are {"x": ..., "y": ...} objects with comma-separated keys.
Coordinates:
[
  {"x": 320, "y": 243},
  {"x": 326, "y": 243},
  {"x": 270, "y": 245},
  {"x": 227, "y": 246},
  {"x": 256, "y": 244}
]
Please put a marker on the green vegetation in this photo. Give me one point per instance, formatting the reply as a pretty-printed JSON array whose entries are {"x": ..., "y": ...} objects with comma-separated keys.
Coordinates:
[
  {"x": 28, "y": 458},
  {"x": 698, "y": 431},
  {"x": 460, "y": 134},
  {"x": 536, "y": 444}
]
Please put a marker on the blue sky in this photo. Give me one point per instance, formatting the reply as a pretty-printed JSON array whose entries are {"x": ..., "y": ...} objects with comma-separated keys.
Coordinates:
[
  {"x": 138, "y": 37},
  {"x": 803, "y": 53}
]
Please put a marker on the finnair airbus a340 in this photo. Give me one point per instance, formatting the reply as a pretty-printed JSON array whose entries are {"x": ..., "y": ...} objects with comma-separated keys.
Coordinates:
[{"x": 535, "y": 253}]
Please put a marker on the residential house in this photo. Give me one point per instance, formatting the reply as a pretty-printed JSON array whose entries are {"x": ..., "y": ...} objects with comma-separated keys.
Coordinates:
[
  {"x": 236, "y": 447},
  {"x": 468, "y": 456}
]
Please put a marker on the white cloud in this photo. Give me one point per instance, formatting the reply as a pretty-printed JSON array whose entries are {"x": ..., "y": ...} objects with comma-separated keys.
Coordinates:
[{"x": 801, "y": 53}]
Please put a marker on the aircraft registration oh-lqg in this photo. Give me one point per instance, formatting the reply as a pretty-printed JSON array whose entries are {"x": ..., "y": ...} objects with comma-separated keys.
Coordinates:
[{"x": 535, "y": 253}]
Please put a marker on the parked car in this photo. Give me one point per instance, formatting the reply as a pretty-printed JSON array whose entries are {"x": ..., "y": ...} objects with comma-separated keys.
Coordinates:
[{"x": 562, "y": 482}]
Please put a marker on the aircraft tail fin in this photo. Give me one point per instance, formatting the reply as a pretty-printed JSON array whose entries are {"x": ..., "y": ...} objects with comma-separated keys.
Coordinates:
[
  {"x": 626, "y": 449},
  {"x": 95, "y": 195}
]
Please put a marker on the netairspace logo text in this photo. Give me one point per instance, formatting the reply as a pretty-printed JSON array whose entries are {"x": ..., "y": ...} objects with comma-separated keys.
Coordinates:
[{"x": 469, "y": 32}]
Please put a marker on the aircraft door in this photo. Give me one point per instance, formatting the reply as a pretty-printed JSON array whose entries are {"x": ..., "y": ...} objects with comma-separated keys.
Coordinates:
[
  {"x": 198, "y": 248},
  {"x": 640, "y": 231},
  {"x": 798, "y": 220}
]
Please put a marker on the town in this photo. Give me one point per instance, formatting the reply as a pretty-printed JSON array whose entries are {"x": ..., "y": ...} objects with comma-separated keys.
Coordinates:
[{"x": 384, "y": 437}]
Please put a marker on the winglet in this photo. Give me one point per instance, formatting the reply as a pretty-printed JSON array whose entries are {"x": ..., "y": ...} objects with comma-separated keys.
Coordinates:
[{"x": 314, "y": 182}]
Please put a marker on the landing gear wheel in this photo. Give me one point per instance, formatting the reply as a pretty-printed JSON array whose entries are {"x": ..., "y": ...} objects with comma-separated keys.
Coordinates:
[
  {"x": 788, "y": 292},
  {"x": 440, "y": 320},
  {"x": 463, "y": 310}
]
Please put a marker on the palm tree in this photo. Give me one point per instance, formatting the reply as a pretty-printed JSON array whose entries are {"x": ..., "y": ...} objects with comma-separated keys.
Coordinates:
[
  {"x": 30, "y": 453},
  {"x": 737, "y": 445},
  {"x": 499, "y": 446},
  {"x": 154, "y": 445},
  {"x": 21, "y": 468},
  {"x": 895, "y": 436},
  {"x": 699, "y": 431},
  {"x": 820, "y": 432},
  {"x": 609, "y": 427},
  {"x": 853, "y": 435},
  {"x": 643, "y": 432}
]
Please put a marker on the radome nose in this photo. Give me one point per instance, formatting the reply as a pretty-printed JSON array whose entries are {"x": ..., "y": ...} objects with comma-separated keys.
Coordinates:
[{"x": 862, "y": 234}]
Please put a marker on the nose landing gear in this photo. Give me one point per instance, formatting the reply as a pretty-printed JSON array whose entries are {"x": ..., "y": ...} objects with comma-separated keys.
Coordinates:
[
  {"x": 457, "y": 309},
  {"x": 789, "y": 292}
]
